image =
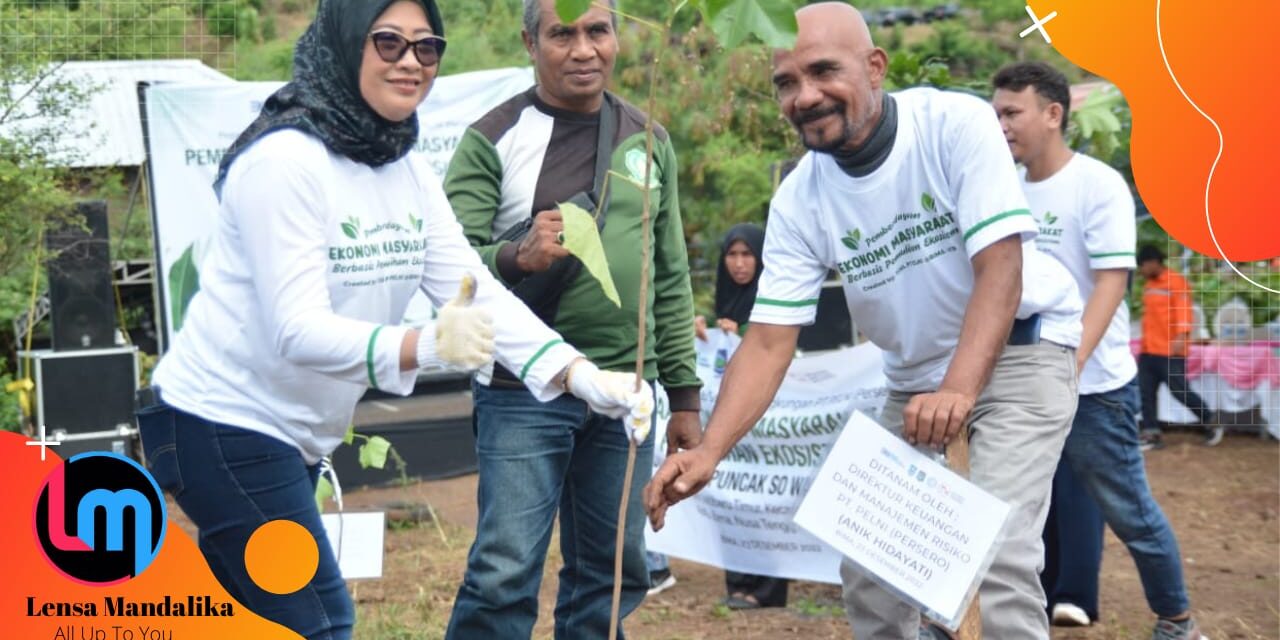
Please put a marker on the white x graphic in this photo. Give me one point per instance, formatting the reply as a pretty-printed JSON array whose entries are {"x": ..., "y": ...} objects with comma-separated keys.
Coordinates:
[{"x": 1037, "y": 24}]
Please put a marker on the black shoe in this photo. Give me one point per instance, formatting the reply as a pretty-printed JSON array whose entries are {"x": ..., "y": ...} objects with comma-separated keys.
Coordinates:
[
  {"x": 738, "y": 602},
  {"x": 1151, "y": 441}
]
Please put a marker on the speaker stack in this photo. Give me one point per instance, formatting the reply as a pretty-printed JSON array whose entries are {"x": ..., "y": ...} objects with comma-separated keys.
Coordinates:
[{"x": 85, "y": 384}]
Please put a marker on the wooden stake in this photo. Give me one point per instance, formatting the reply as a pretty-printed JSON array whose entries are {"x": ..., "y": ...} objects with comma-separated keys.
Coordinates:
[
  {"x": 958, "y": 461},
  {"x": 619, "y": 540}
]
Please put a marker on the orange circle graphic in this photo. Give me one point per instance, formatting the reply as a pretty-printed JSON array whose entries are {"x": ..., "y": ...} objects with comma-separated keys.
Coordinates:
[{"x": 281, "y": 557}]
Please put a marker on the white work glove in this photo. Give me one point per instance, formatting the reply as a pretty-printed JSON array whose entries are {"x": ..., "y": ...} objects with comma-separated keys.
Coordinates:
[
  {"x": 463, "y": 334},
  {"x": 613, "y": 394},
  {"x": 640, "y": 420}
]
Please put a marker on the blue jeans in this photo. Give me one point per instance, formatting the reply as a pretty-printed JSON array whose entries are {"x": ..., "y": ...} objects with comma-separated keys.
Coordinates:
[
  {"x": 1072, "y": 541},
  {"x": 230, "y": 481},
  {"x": 536, "y": 459},
  {"x": 1172, "y": 371},
  {"x": 656, "y": 562},
  {"x": 1104, "y": 454}
]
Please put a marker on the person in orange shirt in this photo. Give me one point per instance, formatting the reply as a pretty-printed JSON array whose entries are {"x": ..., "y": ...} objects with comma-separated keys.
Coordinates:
[{"x": 1166, "y": 337}]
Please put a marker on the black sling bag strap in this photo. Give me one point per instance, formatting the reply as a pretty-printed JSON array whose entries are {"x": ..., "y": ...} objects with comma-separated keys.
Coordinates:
[{"x": 542, "y": 291}]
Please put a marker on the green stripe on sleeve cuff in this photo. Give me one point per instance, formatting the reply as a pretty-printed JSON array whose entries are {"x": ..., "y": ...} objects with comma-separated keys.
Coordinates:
[
  {"x": 529, "y": 365},
  {"x": 1118, "y": 254},
  {"x": 368, "y": 357},
  {"x": 994, "y": 219},
  {"x": 787, "y": 303}
]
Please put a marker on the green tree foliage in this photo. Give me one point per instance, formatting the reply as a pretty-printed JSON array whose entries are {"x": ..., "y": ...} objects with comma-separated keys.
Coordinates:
[
  {"x": 34, "y": 107},
  {"x": 36, "y": 122},
  {"x": 483, "y": 35},
  {"x": 1214, "y": 284},
  {"x": 716, "y": 102},
  {"x": 719, "y": 109},
  {"x": 95, "y": 29},
  {"x": 235, "y": 18},
  {"x": 34, "y": 114}
]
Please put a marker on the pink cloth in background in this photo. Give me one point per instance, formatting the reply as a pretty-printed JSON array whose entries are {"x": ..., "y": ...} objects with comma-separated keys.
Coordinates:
[{"x": 1243, "y": 366}]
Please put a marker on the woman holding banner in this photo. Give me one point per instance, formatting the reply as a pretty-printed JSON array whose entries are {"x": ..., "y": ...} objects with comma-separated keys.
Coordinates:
[{"x": 327, "y": 226}]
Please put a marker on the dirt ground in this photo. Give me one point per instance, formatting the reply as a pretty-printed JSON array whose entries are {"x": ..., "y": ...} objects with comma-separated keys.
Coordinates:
[{"x": 1223, "y": 502}]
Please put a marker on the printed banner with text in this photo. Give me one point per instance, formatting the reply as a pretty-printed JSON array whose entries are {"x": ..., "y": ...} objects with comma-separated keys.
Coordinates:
[{"x": 742, "y": 521}]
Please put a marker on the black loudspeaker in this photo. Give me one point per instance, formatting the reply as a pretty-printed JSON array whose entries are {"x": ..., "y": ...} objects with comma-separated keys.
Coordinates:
[
  {"x": 84, "y": 398},
  {"x": 833, "y": 328},
  {"x": 83, "y": 307}
]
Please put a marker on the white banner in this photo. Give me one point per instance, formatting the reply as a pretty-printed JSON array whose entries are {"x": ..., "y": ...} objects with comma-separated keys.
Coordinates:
[
  {"x": 190, "y": 126},
  {"x": 742, "y": 520}
]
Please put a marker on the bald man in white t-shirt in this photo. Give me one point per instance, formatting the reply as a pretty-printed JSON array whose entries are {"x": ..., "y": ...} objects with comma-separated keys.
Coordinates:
[{"x": 912, "y": 199}]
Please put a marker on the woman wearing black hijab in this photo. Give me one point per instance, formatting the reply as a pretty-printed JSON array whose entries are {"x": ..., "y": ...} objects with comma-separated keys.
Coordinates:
[
  {"x": 736, "y": 277},
  {"x": 737, "y": 274},
  {"x": 327, "y": 226}
]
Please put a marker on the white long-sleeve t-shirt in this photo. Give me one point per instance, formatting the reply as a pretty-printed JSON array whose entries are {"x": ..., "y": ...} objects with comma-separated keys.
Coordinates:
[{"x": 306, "y": 278}]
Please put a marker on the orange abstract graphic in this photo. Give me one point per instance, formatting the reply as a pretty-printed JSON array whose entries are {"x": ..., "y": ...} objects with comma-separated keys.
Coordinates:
[
  {"x": 1221, "y": 54},
  {"x": 34, "y": 594}
]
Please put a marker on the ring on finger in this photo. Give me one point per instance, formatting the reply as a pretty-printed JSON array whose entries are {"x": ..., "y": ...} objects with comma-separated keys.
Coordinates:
[{"x": 559, "y": 237}]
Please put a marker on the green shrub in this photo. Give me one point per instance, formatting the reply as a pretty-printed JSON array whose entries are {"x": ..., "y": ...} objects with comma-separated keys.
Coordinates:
[
  {"x": 236, "y": 18},
  {"x": 271, "y": 60},
  {"x": 10, "y": 416},
  {"x": 269, "y": 28},
  {"x": 247, "y": 24},
  {"x": 220, "y": 17}
]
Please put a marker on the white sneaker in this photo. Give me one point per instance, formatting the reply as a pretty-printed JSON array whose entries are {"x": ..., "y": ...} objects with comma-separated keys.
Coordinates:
[
  {"x": 660, "y": 581},
  {"x": 1066, "y": 614}
]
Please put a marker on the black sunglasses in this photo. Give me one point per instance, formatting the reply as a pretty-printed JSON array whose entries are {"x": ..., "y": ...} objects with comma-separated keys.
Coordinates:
[{"x": 390, "y": 46}]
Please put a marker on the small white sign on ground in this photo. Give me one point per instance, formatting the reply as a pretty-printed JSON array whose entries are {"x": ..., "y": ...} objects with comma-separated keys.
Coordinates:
[
  {"x": 356, "y": 539},
  {"x": 917, "y": 528}
]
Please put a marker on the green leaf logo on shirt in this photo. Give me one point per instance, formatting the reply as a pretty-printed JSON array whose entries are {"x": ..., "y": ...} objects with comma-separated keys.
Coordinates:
[
  {"x": 635, "y": 161},
  {"x": 416, "y": 223},
  {"x": 927, "y": 202},
  {"x": 1050, "y": 219},
  {"x": 852, "y": 239},
  {"x": 352, "y": 228}
]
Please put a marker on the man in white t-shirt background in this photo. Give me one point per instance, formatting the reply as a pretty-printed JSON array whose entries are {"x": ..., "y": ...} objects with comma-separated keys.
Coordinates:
[
  {"x": 1086, "y": 217},
  {"x": 912, "y": 199}
]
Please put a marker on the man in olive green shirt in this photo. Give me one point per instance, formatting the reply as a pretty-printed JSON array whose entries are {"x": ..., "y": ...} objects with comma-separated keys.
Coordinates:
[{"x": 523, "y": 159}]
